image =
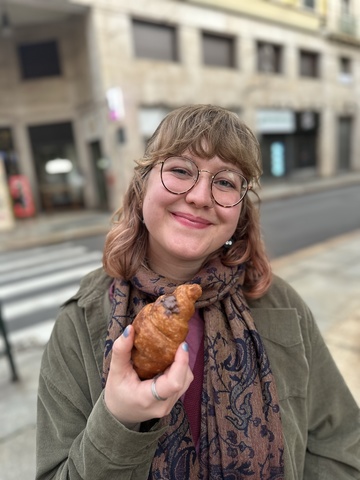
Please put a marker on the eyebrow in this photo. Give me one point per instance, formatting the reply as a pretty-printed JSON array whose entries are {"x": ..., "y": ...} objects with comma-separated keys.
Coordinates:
[{"x": 225, "y": 167}]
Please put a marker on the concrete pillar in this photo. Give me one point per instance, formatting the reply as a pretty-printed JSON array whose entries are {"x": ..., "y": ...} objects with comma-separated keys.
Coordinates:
[
  {"x": 327, "y": 146},
  {"x": 84, "y": 163}
]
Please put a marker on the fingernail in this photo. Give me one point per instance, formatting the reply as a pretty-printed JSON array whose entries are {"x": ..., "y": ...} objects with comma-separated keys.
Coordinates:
[
  {"x": 126, "y": 331},
  {"x": 185, "y": 346}
]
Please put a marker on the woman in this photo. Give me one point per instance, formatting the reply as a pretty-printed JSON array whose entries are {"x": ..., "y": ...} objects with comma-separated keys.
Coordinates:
[{"x": 252, "y": 393}]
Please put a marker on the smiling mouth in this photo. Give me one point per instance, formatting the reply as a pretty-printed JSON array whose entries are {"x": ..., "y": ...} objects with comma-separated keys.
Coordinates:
[{"x": 190, "y": 220}]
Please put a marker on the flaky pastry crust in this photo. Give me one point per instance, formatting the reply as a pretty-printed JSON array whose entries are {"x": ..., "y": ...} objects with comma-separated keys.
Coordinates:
[{"x": 160, "y": 328}]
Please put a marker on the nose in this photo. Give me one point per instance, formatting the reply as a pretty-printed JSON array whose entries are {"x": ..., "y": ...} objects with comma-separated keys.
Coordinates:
[{"x": 200, "y": 194}]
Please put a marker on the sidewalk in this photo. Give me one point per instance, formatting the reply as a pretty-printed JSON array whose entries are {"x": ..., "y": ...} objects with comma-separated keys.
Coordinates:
[
  {"x": 45, "y": 229},
  {"x": 326, "y": 275}
]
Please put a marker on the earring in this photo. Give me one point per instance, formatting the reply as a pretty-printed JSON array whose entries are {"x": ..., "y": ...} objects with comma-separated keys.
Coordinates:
[{"x": 229, "y": 243}]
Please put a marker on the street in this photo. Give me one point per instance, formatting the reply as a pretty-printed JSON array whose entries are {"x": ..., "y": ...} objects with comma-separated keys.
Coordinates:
[
  {"x": 35, "y": 282},
  {"x": 300, "y": 221}
]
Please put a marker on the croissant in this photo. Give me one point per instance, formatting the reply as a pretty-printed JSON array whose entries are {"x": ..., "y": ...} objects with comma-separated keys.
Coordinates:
[{"x": 160, "y": 328}]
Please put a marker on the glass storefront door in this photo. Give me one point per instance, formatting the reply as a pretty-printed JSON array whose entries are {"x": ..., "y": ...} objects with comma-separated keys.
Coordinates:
[{"x": 60, "y": 181}]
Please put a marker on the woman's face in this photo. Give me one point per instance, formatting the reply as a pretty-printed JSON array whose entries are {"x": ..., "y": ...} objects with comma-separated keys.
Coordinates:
[{"x": 185, "y": 229}]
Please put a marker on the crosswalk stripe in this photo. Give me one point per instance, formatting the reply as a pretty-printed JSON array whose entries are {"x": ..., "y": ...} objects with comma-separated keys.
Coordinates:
[
  {"x": 40, "y": 258},
  {"x": 50, "y": 267},
  {"x": 19, "y": 308},
  {"x": 26, "y": 286}
]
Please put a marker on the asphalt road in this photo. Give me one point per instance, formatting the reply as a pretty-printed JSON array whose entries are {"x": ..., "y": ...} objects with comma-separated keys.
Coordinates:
[{"x": 298, "y": 222}]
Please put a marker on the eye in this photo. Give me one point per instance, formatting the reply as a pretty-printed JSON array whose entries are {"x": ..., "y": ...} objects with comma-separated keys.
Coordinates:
[
  {"x": 227, "y": 181},
  {"x": 223, "y": 183},
  {"x": 180, "y": 168},
  {"x": 180, "y": 172}
]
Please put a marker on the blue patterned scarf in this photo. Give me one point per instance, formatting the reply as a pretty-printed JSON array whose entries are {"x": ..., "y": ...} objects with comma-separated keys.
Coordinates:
[{"x": 241, "y": 432}]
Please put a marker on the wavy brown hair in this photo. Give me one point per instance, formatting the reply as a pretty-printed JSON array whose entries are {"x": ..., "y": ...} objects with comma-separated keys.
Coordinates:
[{"x": 206, "y": 131}]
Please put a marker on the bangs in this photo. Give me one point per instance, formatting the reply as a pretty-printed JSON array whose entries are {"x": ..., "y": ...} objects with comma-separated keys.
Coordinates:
[{"x": 207, "y": 131}]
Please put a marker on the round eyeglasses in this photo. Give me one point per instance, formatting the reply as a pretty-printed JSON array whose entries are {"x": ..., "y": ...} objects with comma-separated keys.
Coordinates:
[{"x": 180, "y": 174}]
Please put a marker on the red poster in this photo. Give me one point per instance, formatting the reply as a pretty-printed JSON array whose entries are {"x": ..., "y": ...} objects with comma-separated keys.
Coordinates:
[{"x": 20, "y": 191}]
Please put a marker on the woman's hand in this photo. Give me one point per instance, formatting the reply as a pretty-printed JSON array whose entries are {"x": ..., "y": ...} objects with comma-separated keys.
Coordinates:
[{"x": 129, "y": 399}]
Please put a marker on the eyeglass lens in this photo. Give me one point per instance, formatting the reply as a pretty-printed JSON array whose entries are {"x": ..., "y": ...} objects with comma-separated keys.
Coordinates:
[{"x": 179, "y": 175}]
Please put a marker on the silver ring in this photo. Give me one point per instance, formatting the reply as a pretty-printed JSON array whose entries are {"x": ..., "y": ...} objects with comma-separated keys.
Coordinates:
[{"x": 153, "y": 389}]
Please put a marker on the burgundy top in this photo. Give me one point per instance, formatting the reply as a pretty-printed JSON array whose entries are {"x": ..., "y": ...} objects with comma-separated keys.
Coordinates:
[{"x": 192, "y": 397}]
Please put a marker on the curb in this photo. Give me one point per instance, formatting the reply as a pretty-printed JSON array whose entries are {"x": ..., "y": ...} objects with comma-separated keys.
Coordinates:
[
  {"x": 313, "y": 250},
  {"x": 282, "y": 191}
]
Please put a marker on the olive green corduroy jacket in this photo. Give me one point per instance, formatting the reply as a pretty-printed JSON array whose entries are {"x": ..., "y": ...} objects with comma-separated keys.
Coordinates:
[{"x": 78, "y": 438}]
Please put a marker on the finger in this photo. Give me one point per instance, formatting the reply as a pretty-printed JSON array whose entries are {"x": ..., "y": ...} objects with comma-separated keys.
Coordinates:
[
  {"x": 121, "y": 351},
  {"x": 181, "y": 357},
  {"x": 122, "y": 378},
  {"x": 177, "y": 377}
]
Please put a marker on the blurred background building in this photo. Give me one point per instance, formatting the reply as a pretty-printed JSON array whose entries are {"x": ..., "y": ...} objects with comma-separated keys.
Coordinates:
[{"x": 84, "y": 83}]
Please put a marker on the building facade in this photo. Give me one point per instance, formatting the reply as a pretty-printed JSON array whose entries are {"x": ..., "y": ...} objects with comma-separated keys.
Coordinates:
[{"x": 84, "y": 83}]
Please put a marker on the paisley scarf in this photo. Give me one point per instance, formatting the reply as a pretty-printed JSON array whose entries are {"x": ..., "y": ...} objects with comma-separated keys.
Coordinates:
[{"x": 240, "y": 432}]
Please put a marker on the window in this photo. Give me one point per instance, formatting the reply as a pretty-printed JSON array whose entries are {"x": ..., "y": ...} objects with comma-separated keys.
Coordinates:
[
  {"x": 149, "y": 119},
  {"x": 309, "y": 3},
  {"x": 348, "y": 22},
  {"x": 218, "y": 50},
  {"x": 345, "y": 65},
  {"x": 39, "y": 60},
  {"x": 154, "y": 40},
  {"x": 269, "y": 58},
  {"x": 345, "y": 70},
  {"x": 345, "y": 7},
  {"x": 309, "y": 64}
]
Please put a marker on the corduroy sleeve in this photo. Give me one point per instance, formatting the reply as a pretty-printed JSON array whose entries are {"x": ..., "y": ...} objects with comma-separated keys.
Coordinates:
[{"x": 77, "y": 437}]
